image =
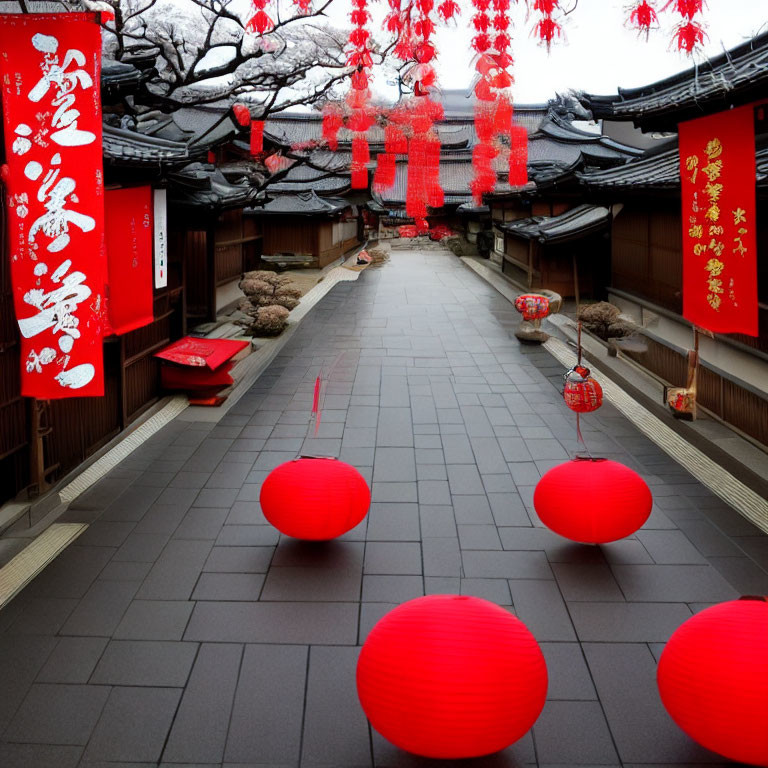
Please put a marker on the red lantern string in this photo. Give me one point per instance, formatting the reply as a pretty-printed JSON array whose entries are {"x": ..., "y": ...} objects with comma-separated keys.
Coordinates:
[
  {"x": 518, "y": 156},
  {"x": 386, "y": 172},
  {"x": 261, "y": 21},
  {"x": 304, "y": 6},
  {"x": 333, "y": 121}
]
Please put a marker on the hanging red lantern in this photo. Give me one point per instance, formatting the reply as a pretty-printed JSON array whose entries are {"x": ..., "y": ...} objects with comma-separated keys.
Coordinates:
[
  {"x": 592, "y": 500},
  {"x": 395, "y": 141},
  {"x": 242, "y": 115},
  {"x": 532, "y": 306},
  {"x": 451, "y": 677},
  {"x": 581, "y": 392},
  {"x": 333, "y": 121},
  {"x": 643, "y": 16},
  {"x": 314, "y": 499},
  {"x": 359, "y": 177},
  {"x": 386, "y": 172},
  {"x": 713, "y": 679},
  {"x": 689, "y": 33}
]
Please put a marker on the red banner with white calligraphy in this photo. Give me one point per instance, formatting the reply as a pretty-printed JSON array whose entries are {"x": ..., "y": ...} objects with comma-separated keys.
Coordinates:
[
  {"x": 717, "y": 173},
  {"x": 128, "y": 237},
  {"x": 50, "y": 74}
]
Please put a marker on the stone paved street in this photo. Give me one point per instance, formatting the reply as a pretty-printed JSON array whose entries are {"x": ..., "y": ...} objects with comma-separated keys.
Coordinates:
[{"x": 180, "y": 629}]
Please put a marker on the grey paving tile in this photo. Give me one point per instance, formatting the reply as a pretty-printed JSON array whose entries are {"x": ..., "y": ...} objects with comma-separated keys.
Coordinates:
[
  {"x": 313, "y": 623},
  {"x": 441, "y": 557},
  {"x": 540, "y": 606},
  {"x": 673, "y": 583},
  {"x": 175, "y": 573},
  {"x": 41, "y": 616},
  {"x": 508, "y": 509},
  {"x": 162, "y": 519},
  {"x": 199, "y": 731},
  {"x": 145, "y": 663},
  {"x": 384, "y": 557},
  {"x": 392, "y": 589},
  {"x": 437, "y": 522},
  {"x": 457, "y": 449},
  {"x": 394, "y": 427},
  {"x": 742, "y": 573},
  {"x": 515, "y": 449},
  {"x": 132, "y": 504},
  {"x": 154, "y": 620},
  {"x": 337, "y": 735},
  {"x": 587, "y": 581},
  {"x": 626, "y": 552},
  {"x": 394, "y": 465},
  {"x": 134, "y": 725},
  {"x": 39, "y": 756},
  {"x": 239, "y": 560},
  {"x": 336, "y": 554},
  {"x": 472, "y": 510},
  {"x": 142, "y": 547},
  {"x": 640, "y": 726},
  {"x": 431, "y": 472},
  {"x": 393, "y": 522},
  {"x": 120, "y": 571},
  {"x": 71, "y": 574},
  {"x": 627, "y": 622},
  {"x": 247, "y": 536},
  {"x": 670, "y": 547},
  {"x": 464, "y": 479},
  {"x": 106, "y": 533},
  {"x": 72, "y": 660},
  {"x": 267, "y": 712},
  {"x": 479, "y": 537},
  {"x": 217, "y": 497},
  {"x": 569, "y": 677},
  {"x": 102, "y": 608},
  {"x": 312, "y": 583},
  {"x": 201, "y": 523},
  {"x": 494, "y": 590},
  {"x": 433, "y": 492},
  {"x": 57, "y": 714},
  {"x": 506, "y": 565},
  {"x": 574, "y": 733},
  {"x": 394, "y": 492}
]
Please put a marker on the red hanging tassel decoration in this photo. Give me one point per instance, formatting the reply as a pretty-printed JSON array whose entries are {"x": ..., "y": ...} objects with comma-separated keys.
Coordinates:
[
  {"x": 448, "y": 9},
  {"x": 395, "y": 142},
  {"x": 333, "y": 121},
  {"x": 643, "y": 16},
  {"x": 689, "y": 33},
  {"x": 361, "y": 154},
  {"x": 518, "y": 156},
  {"x": 547, "y": 29},
  {"x": 260, "y": 22},
  {"x": 304, "y": 6},
  {"x": 386, "y": 172},
  {"x": 359, "y": 177},
  {"x": 257, "y": 137}
]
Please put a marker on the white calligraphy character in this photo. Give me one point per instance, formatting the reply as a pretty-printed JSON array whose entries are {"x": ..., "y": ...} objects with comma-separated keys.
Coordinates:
[
  {"x": 57, "y": 307},
  {"x": 55, "y": 74},
  {"x": 53, "y": 193},
  {"x": 37, "y": 360}
]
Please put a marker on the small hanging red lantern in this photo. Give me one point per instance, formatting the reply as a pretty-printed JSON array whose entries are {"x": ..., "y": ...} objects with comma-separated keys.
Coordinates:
[
  {"x": 581, "y": 392},
  {"x": 643, "y": 16},
  {"x": 261, "y": 21},
  {"x": 242, "y": 115},
  {"x": 689, "y": 33},
  {"x": 532, "y": 306}
]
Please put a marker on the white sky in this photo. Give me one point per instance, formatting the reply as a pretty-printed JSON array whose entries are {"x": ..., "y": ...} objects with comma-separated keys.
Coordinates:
[{"x": 599, "y": 53}]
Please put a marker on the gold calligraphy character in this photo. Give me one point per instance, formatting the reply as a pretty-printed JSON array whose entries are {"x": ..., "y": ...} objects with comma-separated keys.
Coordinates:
[
  {"x": 713, "y": 169},
  {"x": 716, "y": 247},
  {"x": 716, "y": 230},
  {"x": 740, "y": 248},
  {"x": 714, "y": 267},
  {"x": 691, "y": 164},
  {"x": 699, "y": 249},
  {"x": 713, "y": 191},
  {"x": 697, "y": 230},
  {"x": 739, "y": 215},
  {"x": 713, "y": 212},
  {"x": 714, "y": 148}
]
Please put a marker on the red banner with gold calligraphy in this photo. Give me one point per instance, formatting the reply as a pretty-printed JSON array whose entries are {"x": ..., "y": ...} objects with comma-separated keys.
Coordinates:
[
  {"x": 50, "y": 77},
  {"x": 128, "y": 236},
  {"x": 717, "y": 173}
]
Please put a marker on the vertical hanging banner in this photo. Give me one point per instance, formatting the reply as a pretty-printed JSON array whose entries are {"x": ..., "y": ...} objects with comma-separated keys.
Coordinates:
[
  {"x": 128, "y": 237},
  {"x": 717, "y": 174},
  {"x": 160, "y": 218},
  {"x": 49, "y": 74}
]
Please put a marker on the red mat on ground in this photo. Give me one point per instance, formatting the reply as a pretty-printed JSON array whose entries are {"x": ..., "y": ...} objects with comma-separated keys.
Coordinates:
[
  {"x": 197, "y": 353},
  {"x": 186, "y": 378}
]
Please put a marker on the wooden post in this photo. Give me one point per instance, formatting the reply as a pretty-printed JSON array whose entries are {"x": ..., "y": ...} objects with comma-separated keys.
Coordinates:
[
  {"x": 695, "y": 377},
  {"x": 210, "y": 252},
  {"x": 36, "y": 452},
  {"x": 530, "y": 264},
  {"x": 576, "y": 283}
]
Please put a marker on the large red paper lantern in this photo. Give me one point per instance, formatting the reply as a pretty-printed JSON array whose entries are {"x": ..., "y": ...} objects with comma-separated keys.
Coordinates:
[
  {"x": 314, "y": 499},
  {"x": 713, "y": 679},
  {"x": 532, "y": 306},
  {"x": 592, "y": 500},
  {"x": 451, "y": 677}
]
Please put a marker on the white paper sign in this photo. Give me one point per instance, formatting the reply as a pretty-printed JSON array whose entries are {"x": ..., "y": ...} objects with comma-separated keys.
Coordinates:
[{"x": 161, "y": 238}]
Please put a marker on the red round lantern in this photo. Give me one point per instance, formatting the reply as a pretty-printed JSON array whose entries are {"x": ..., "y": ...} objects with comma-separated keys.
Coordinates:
[
  {"x": 532, "y": 306},
  {"x": 314, "y": 499},
  {"x": 451, "y": 677},
  {"x": 713, "y": 679},
  {"x": 581, "y": 392},
  {"x": 592, "y": 500}
]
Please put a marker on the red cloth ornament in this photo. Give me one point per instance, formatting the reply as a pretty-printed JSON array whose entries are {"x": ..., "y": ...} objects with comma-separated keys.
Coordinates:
[
  {"x": 242, "y": 114},
  {"x": 532, "y": 306},
  {"x": 501, "y": 22},
  {"x": 359, "y": 178},
  {"x": 686, "y": 8},
  {"x": 581, "y": 392},
  {"x": 407, "y": 231},
  {"x": 593, "y": 501},
  {"x": 260, "y": 22},
  {"x": 314, "y": 499},
  {"x": 424, "y": 52},
  {"x": 440, "y": 232},
  {"x": 451, "y": 677},
  {"x": 481, "y": 22},
  {"x": 333, "y": 121},
  {"x": 386, "y": 172},
  {"x": 689, "y": 36},
  {"x": 713, "y": 679},
  {"x": 548, "y": 30},
  {"x": 395, "y": 142},
  {"x": 257, "y": 137},
  {"x": 198, "y": 353},
  {"x": 361, "y": 154}
]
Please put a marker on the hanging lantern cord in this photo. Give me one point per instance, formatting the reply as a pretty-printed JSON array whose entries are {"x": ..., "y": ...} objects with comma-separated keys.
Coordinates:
[{"x": 579, "y": 436}]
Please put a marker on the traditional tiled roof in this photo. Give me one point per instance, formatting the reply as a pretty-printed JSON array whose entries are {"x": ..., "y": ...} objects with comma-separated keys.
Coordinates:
[
  {"x": 121, "y": 78},
  {"x": 122, "y": 147},
  {"x": 301, "y": 204},
  {"x": 201, "y": 186},
  {"x": 655, "y": 172},
  {"x": 578, "y": 222},
  {"x": 738, "y": 76}
]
